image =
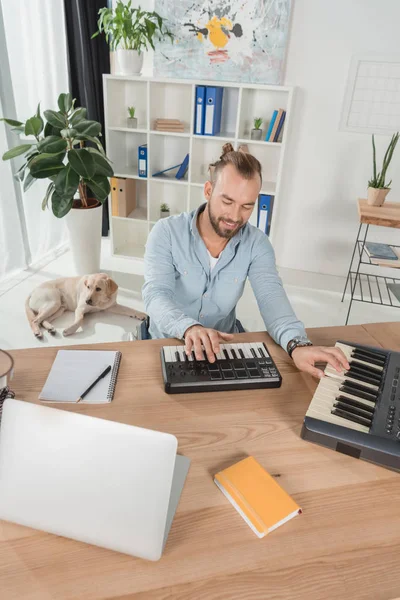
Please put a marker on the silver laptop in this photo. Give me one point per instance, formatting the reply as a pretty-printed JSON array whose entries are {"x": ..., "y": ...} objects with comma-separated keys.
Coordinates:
[{"x": 97, "y": 481}]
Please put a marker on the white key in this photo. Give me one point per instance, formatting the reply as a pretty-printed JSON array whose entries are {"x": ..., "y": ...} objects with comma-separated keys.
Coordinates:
[
  {"x": 181, "y": 350},
  {"x": 225, "y": 347},
  {"x": 242, "y": 348},
  {"x": 330, "y": 371},
  {"x": 190, "y": 357},
  {"x": 347, "y": 350},
  {"x": 332, "y": 392},
  {"x": 246, "y": 351},
  {"x": 229, "y": 350},
  {"x": 167, "y": 354}
]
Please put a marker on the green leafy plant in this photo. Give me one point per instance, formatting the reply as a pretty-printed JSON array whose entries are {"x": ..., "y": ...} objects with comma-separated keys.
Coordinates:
[
  {"x": 58, "y": 153},
  {"x": 257, "y": 123},
  {"x": 131, "y": 111},
  {"x": 164, "y": 207},
  {"x": 131, "y": 28},
  {"x": 378, "y": 179}
]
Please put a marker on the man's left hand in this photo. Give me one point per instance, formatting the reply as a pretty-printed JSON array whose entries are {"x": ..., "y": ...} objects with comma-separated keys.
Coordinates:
[{"x": 305, "y": 357}]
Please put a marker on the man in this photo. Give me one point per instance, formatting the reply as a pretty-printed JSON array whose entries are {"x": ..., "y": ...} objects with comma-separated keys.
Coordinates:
[{"x": 196, "y": 265}]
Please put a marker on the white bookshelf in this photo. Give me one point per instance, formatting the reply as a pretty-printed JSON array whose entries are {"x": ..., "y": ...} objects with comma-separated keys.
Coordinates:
[{"x": 172, "y": 98}]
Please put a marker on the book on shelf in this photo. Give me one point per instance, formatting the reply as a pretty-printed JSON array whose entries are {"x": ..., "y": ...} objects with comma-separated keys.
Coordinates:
[
  {"x": 172, "y": 125},
  {"x": 275, "y": 125},
  {"x": 380, "y": 251}
]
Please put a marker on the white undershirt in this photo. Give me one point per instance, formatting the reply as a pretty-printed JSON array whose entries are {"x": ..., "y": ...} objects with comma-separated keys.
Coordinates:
[{"x": 213, "y": 260}]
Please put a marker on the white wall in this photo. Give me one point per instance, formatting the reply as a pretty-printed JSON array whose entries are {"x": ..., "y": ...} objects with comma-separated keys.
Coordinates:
[{"x": 326, "y": 170}]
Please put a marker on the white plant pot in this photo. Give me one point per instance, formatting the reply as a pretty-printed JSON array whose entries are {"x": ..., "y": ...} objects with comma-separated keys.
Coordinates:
[
  {"x": 84, "y": 228},
  {"x": 129, "y": 62}
]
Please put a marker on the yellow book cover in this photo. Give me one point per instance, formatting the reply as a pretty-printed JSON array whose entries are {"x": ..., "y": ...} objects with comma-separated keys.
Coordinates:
[{"x": 257, "y": 497}]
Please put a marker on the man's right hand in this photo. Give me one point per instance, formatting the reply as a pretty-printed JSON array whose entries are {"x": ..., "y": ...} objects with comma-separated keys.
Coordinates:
[{"x": 198, "y": 336}]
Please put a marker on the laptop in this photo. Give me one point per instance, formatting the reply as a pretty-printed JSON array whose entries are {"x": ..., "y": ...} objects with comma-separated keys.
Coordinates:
[{"x": 104, "y": 483}]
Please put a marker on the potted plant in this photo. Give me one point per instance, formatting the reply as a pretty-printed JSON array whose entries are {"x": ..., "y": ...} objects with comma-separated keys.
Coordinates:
[
  {"x": 78, "y": 174},
  {"x": 129, "y": 31},
  {"x": 256, "y": 132},
  {"x": 378, "y": 189},
  {"x": 132, "y": 120},
  {"x": 164, "y": 210}
]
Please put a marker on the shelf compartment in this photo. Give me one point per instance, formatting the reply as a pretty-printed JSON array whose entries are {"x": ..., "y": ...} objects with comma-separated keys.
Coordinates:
[
  {"x": 169, "y": 100},
  {"x": 196, "y": 197},
  {"x": 122, "y": 150},
  {"x": 129, "y": 237},
  {"x": 269, "y": 160},
  {"x": 167, "y": 151},
  {"x": 229, "y": 110},
  {"x": 259, "y": 103},
  {"x": 365, "y": 259},
  {"x": 166, "y": 192},
  {"x": 122, "y": 93},
  {"x": 372, "y": 289}
]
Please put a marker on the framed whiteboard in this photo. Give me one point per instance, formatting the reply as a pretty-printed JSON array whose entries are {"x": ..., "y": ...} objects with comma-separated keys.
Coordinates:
[{"x": 372, "y": 98}]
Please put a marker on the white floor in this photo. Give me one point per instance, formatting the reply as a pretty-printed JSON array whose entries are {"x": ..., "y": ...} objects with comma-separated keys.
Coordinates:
[{"x": 316, "y": 300}]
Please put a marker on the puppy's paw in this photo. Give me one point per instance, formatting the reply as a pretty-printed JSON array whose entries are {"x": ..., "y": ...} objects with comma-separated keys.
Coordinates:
[
  {"x": 38, "y": 335},
  {"x": 53, "y": 331}
]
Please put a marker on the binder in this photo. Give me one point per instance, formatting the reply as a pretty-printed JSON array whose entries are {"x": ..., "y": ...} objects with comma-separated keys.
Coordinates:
[
  {"x": 271, "y": 125},
  {"x": 200, "y": 109},
  {"x": 158, "y": 173},
  {"x": 281, "y": 122},
  {"x": 213, "y": 110},
  {"x": 123, "y": 196},
  {"x": 142, "y": 160},
  {"x": 265, "y": 205},
  {"x": 183, "y": 168}
]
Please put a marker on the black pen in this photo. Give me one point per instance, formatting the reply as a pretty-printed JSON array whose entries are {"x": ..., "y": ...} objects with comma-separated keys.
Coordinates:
[{"x": 104, "y": 373}]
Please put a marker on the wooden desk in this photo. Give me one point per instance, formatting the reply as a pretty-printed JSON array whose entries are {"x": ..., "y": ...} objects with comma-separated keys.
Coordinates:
[{"x": 346, "y": 544}]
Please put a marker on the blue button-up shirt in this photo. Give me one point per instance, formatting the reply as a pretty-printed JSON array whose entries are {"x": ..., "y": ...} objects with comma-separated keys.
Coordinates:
[{"x": 181, "y": 290}]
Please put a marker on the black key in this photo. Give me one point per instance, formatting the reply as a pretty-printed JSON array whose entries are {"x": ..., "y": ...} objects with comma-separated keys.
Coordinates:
[
  {"x": 261, "y": 352},
  {"x": 362, "y": 370},
  {"x": 374, "y": 370},
  {"x": 226, "y": 354},
  {"x": 355, "y": 392},
  {"x": 234, "y": 354},
  {"x": 354, "y": 375},
  {"x": 373, "y": 353},
  {"x": 193, "y": 356},
  {"x": 253, "y": 352},
  {"x": 178, "y": 358},
  {"x": 355, "y": 403},
  {"x": 241, "y": 353},
  {"x": 352, "y": 410},
  {"x": 369, "y": 359},
  {"x": 241, "y": 374},
  {"x": 361, "y": 388},
  {"x": 346, "y": 415},
  {"x": 228, "y": 374},
  {"x": 254, "y": 373}
]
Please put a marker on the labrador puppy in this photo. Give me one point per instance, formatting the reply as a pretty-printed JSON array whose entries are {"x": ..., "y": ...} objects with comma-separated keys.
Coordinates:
[{"x": 90, "y": 293}]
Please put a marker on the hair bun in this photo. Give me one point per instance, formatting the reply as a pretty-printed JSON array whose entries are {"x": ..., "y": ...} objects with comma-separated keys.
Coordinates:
[{"x": 226, "y": 148}]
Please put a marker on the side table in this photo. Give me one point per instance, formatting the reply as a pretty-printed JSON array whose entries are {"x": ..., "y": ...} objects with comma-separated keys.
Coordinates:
[{"x": 364, "y": 286}]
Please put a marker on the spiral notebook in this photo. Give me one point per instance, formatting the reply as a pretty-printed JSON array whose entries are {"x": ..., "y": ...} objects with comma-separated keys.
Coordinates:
[{"x": 73, "y": 371}]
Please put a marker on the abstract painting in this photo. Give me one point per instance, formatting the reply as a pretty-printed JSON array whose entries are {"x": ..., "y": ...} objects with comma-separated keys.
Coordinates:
[{"x": 227, "y": 40}]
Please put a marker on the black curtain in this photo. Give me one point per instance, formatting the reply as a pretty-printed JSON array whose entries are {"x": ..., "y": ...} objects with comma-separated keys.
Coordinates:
[{"x": 88, "y": 60}]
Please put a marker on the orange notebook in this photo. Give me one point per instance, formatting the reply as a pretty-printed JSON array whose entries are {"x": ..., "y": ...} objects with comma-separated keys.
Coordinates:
[{"x": 257, "y": 497}]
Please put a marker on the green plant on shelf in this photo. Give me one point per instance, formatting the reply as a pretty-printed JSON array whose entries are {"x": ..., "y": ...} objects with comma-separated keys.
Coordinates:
[
  {"x": 131, "y": 111},
  {"x": 257, "y": 123},
  {"x": 164, "y": 207},
  {"x": 378, "y": 179}
]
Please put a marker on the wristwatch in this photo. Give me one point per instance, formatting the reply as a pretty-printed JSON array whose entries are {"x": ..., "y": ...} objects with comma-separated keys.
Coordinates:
[{"x": 297, "y": 342}]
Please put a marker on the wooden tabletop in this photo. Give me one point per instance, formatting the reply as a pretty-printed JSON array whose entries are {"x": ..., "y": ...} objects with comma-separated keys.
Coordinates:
[
  {"x": 387, "y": 215},
  {"x": 346, "y": 544}
]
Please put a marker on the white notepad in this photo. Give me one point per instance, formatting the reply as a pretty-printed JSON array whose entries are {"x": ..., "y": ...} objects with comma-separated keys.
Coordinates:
[{"x": 73, "y": 371}]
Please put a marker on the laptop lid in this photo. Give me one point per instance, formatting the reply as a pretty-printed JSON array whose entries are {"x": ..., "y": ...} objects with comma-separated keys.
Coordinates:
[{"x": 86, "y": 478}]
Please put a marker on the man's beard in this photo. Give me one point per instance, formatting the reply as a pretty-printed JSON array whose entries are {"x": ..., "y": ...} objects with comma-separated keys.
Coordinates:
[{"x": 218, "y": 225}]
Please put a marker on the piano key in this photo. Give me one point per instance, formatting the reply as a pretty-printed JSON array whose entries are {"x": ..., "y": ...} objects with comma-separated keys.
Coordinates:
[
  {"x": 241, "y": 353},
  {"x": 369, "y": 407},
  {"x": 182, "y": 353},
  {"x": 361, "y": 370},
  {"x": 367, "y": 369},
  {"x": 334, "y": 420},
  {"x": 363, "y": 378},
  {"x": 226, "y": 352},
  {"x": 369, "y": 359},
  {"x": 167, "y": 354},
  {"x": 230, "y": 347},
  {"x": 253, "y": 352},
  {"x": 330, "y": 389},
  {"x": 177, "y": 356},
  {"x": 350, "y": 417},
  {"x": 260, "y": 351},
  {"x": 190, "y": 357},
  {"x": 323, "y": 399},
  {"x": 353, "y": 410},
  {"x": 347, "y": 351},
  {"x": 370, "y": 353},
  {"x": 331, "y": 372},
  {"x": 255, "y": 346},
  {"x": 234, "y": 353},
  {"x": 246, "y": 351},
  {"x": 348, "y": 389}
]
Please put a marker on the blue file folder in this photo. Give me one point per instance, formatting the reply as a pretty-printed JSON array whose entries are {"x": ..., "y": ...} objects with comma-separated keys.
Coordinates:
[
  {"x": 183, "y": 168},
  {"x": 265, "y": 204},
  {"x": 200, "y": 109},
  {"x": 142, "y": 160},
  {"x": 271, "y": 126},
  {"x": 213, "y": 110}
]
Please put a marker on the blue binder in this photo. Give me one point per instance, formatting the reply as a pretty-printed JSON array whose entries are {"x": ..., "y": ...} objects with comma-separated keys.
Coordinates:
[
  {"x": 183, "y": 168},
  {"x": 213, "y": 111},
  {"x": 271, "y": 125},
  {"x": 199, "y": 110},
  {"x": 280, "y": 125},
  {"x": 142, "y": 160},
  {"x": 265, "y": 204}
]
